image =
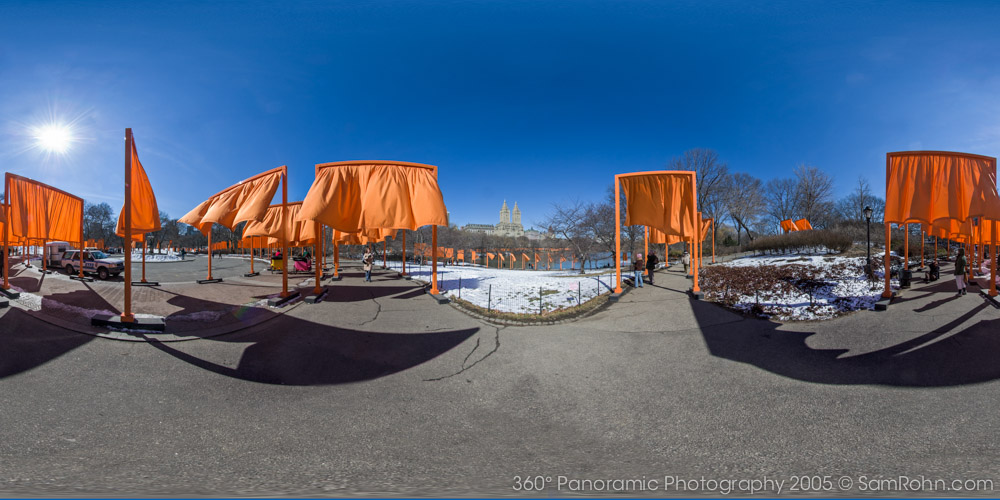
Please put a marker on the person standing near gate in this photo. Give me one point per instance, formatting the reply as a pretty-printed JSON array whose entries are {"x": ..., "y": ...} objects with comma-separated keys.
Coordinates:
[
  {"x": 960, "y": 264},
  {"x": 651, "y": 261},
  {"x": 368, "y": 261},
  {"x": 637, "y": 268},
  {"x": 686, "y": 260}
]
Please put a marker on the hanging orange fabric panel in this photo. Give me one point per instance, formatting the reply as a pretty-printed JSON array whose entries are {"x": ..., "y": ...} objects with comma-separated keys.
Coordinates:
[
  {"x": 296, "y": 233},
  {"x": 245, "y": 201},
  {"x": 803, "y": 225},
  {"x": 950, "y": 229},
  {"x": 984, "y": 230},
  {"x": 924, "y": 186},
  {"x": 362, "y": 237},
  {"x": 41, "y": 211},
  {"x": 661, "y": 200},
  {"x": 145, "y": 214},
  {"x": 11, "y": 238},
  {"x": 788, "y": 225},
  {"x": 706, "y": 226},
  {"x": 350, "y": 196},
  {"x": 656, "y": 237}
]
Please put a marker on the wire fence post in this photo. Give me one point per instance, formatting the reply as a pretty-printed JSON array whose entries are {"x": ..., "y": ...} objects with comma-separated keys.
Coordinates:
[
  {"x": 459, "y": 287},
  {"x": 489, "y": 299},
  {"x": 579, "y": 293},
  {"x": 539, "y": 301}
]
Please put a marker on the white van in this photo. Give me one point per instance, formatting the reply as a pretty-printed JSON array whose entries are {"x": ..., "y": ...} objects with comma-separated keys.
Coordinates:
[{"x": 54, "y": 251}]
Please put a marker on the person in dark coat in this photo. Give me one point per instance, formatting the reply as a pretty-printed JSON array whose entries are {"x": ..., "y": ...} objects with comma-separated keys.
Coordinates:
[{"x": 651, "y": 262}]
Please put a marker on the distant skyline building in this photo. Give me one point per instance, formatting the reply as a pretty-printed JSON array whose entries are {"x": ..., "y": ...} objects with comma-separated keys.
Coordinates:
[{"x": 509, "y": 224}]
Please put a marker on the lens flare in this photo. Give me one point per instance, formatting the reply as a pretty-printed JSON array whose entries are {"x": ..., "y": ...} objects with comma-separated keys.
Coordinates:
[{"x": 53, "y": 138}]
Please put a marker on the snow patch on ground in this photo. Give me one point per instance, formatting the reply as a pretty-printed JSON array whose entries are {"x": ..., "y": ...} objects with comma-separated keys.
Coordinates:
[
  {"x": 837, "y": 285},
  {"x": 516, "y": 291},
  {"x": 199, "y": 316},
  {"x": 34, "y": 302},
  {"x": 247, "y": 258},
  {"x": 156, "y": 257}
]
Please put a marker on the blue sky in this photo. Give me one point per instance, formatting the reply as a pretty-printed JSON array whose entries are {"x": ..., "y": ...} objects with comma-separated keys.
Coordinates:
[{"x": 529, "y": 101}]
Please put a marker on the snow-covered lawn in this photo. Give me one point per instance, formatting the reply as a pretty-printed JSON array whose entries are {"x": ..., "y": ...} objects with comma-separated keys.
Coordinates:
[
  {"x": 156, "y": 257},
  {"x": 793, "y": 287},
  {"x": 515, "y": 291}
]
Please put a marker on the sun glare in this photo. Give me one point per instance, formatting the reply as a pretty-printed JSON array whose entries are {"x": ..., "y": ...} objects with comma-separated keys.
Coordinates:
[{"x": 54, "y": 138}]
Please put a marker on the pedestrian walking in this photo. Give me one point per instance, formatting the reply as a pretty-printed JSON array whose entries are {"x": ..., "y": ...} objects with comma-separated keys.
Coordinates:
[
  {"x": 368, "y": 261},
  {"x": 686, "y": 260},
  {"x": 960, "y": 264},
  {"x": 637, "y": 268},
  {"x": 651, "y": 261}
]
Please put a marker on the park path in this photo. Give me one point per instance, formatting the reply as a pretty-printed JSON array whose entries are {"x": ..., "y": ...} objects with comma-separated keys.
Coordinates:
[{"x": 380, "y": 390}]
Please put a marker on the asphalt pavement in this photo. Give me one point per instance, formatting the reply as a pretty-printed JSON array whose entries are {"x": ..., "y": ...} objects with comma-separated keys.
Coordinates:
[{"x": 381, "y": 391}]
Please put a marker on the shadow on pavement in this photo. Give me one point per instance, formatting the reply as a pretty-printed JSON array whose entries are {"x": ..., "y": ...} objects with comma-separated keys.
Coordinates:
[
  {"x": 935, "y": 304},
  {"x": 941, "y": 357},
  {"x": 299, "y": 352},
  {"x": 29, "y": 284},
  {"x": 27, "y": 342}
]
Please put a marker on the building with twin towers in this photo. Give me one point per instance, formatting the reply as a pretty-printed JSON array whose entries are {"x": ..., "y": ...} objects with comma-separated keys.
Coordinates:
[
  {"x": 509, "y": 225},
  {"x": 510, "y": 222}
]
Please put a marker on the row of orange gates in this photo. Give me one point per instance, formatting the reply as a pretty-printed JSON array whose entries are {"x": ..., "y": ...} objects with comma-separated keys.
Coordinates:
[
  {"x": 501, "y": 258},
  {"x": 952, "y": 195}
]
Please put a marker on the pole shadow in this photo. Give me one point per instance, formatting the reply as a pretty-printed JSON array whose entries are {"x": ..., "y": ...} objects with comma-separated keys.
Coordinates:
[{"x": 292, "y": 351}]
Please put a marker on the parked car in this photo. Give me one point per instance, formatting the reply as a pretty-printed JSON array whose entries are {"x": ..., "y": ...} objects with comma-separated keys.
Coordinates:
[{"x": 94, "y": 262}]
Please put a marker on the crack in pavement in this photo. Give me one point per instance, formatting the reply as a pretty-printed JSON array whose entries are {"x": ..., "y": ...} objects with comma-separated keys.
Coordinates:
[
  {"x": 377, "y": 311},
  {"x": 496, "y": 347}
]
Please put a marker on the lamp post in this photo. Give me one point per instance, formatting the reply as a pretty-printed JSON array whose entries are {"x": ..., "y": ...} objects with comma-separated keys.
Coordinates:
[{"x": 868, "y": 218}]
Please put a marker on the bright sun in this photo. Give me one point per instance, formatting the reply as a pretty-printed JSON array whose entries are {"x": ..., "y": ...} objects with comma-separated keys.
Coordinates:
[{"x": 54, "y": 138}]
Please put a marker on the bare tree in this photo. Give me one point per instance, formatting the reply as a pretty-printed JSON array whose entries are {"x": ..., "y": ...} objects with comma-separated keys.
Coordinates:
[
  {"x": 745, "y": 202},
  {"x": 600, "y": 221},
  {"x": 569, "y": 223},
  {"x": 851, "y": 207},
  {"x": 603, "y": 225},
  {"x": 99, "y": 223},
  {"x": 780, "y": 195},
  {"x": 712, "y": 180},
  {"x": 813, "y": 195}
]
